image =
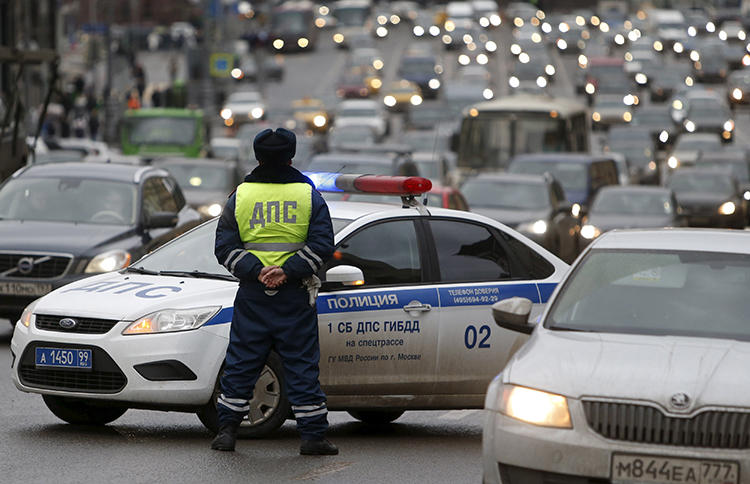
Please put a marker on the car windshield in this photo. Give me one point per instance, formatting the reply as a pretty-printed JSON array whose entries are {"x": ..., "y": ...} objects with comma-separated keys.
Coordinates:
[
  {"x": 425, "y": 141},
  {"x": 632, "y": 203},
  {"x": 69, "y": 199},
  {"x": 416, "y": 66},
  {"x": 513, "y": 195},
  {"x": 162, "y": 131},
  {"x": 740, "y": 170},
  {"x": 202, "y": 177},
  {"x": 351, "y": 16},
  {"x": 572, "y": 176},
  {"x": 351, "y": 135},
  {"x": 226, "y": 152},
  {"x": 706, "y": 107},
  {"x": 358, "y": 113},
  {"x": 705, "y": 182},
  {"x": 681, "y": 293},
  {"x": 687, "y": 144}
]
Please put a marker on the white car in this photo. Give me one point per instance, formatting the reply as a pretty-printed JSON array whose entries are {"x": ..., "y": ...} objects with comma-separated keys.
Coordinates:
[
  {"x": 243, "y": 107},
  {"x": 637, "y": 370},
  {"x": 403, "y": 317},
  {"x": 361, "y": 112}
]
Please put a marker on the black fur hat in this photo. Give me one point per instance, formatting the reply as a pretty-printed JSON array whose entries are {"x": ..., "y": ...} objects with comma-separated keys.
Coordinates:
[{"x": 275, "y": 146}]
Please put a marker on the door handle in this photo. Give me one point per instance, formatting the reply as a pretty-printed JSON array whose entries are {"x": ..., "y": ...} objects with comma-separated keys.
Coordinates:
[{"x": 417, "y": 306}]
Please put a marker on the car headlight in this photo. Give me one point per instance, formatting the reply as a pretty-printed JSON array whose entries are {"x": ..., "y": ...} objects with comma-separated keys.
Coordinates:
[
  {"x": 727, "y": 208},
  {"x": 575, "y": 210},
  {"x": 226, "y": 113},
  {"x": 641, "y": 78},
  {"x": 538, "y": 227},
  {"x": 389, "y": 101},
  {"x": 338, "y": 38},
  {"x": 737, "y": 94},
  {"x": 596, "y": 116},
  {"x": 513, "y": 81},
  {"x": 210, "y": 210},
  {"x": 673, "y": 162},
  {"x": 416, "y": 100},
  {"x": 535, "y": 407},
  {"x": 278, "y": 44},
  {"x": 27, "y": 314},
  {"x": 109, "y": 261},
  {"x": 488, "y": 93},
  {"x": 319, "y": 121},
  {"x": 664, "y": 136},
  {"x": 257, "y": 113},
  {"x": 434, "y": 83},
  {"x": 729, "y": 125},
  {"x": 689, "y": 126},
  {"x": 172, "y": 320},
  {"x": 590, "y": 232},
  {"x": 549, "y": 69},
  {"x": 590, "y": 88}
]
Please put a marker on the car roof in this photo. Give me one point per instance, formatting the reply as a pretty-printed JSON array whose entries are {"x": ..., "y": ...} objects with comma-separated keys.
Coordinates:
[
  {"x": 704, "y": 240},
  {"x": 357, "y": 103},
  {"x": 103, "y": 171},
  {"x": 514, "y": 177},
  {"x": 637, "y": 189},
  {"x": 172, "y": 160},
  {"x": 555, "y": 157},
  {"x": 355, "y": 210},
  {"x": 353, "y": 157}
]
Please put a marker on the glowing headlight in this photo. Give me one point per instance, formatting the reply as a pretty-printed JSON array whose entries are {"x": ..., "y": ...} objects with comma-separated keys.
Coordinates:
[
  {"x": 338, "y": 38},
  {"x": 628, "y": 100},
  {"x": 641, "y": 78},
  {"x": 319, "y": 121},
  {"x": 575, "y": 210},
  {"x": 377, "y": 64},
  {"x": 447, "y": 39},
  {"x": 212, "y": 210},
  {"x": 663, "y": 136},
  {"x": 692, "y": 32},
  {"x": 416, "y": 100},
  {"x": 484, "y": 22},
  {"x": 596, "y": 116},
  {"x": 729, "y": 125},
  {"x": 482, "y": 59},
  {"x": 619, "y": 39},
  {"x": 658, "y": 46},
  {"x": 226, "y": 113},
  {"x": 538, "y": 227},
  {"x": 109, "y": 261},
  {"x": 590, "y": 88},
  {"x": 418, "y": 30},
  {"x": 488, "y": 94},
  {"x": 434, "y": 83},
  {"x": 381, "y": 32},
  {"x": 524, "y": 58},
  {"x": 389, "y": 101},
  {"x": 278, "y": 44},
  {"x": 303, "y": 43},
  {"x": 549, "y": 69},
  {"x": 561, "y": 44},
  {"x": 590, "y": 232},
  {"x": 236, "y": 73},
  {"x": 673, "y": 162},
  {"x": 515, "y": 49},
  {"x": 737, "y": 93},
  {"x": 541, "y": 81},
  {"x": 495, "y": 20},
  {"x": 546, "y": 28},
  {"x": 27, "y": 314},
  {"x": 257, "y": 113},
  {"x": 695, "y": 56},
  {"x": 376, "y": 83},
  {"x": 722, "y": 35},
  {"x": 490, "y": 46},
  {"x": 627, "y": 116},
  {"x": 583, "y": 61},
  {"x": 514, "y": 82},
  {"x": 434, "y": 30},
  {"x": 746, "y": 195},
  {"x": 464, "y": 60},
  {"x": 727, "y": 208},
  {"x": 689, "y": 126},
  {"x": 710, "y": 27},
  {"x": 678, "y": 48},
  {"x": 535, "y": 407},
  {"x": 172, "y": 320}
]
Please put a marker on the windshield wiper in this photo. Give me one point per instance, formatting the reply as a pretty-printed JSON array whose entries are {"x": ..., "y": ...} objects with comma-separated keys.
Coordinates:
[
  {"x": 198, "y": 275},
  {"x": 568, "y": 328},
  {"x": 140, "y": 270}
]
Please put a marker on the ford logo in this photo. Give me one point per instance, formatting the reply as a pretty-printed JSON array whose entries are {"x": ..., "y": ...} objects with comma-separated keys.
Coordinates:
[
  {"x": 25, "y": 265},
  {"x": 679, "y": 401},
  {"x": 68, "y": 323}
]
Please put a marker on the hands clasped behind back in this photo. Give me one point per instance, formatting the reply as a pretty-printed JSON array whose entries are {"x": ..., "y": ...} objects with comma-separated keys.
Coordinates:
[{"x": 272, "y": 276}]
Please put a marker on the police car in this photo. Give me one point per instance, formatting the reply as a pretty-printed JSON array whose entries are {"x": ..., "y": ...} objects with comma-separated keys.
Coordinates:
[{"x": 403, "y": 318}]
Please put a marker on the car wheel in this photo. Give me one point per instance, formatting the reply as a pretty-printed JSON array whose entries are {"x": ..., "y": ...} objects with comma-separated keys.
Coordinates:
[
  {"x": 269, "y": 407},
  {"x": 80, "y": 412},
  {"x": 375, "y": 417}
]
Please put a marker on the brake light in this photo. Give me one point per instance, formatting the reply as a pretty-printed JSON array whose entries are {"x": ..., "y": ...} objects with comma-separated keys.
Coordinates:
[{"x": 380, "y": 184}]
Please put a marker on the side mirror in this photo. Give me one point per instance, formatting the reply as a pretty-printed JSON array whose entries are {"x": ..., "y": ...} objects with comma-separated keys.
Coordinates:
[
  {"x": 346, "y": 275},
  {"x": 160, "y": 220},
  {"x": 513, "y": 314}
]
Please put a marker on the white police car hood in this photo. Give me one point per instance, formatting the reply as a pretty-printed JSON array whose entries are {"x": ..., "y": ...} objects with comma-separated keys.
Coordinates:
[
  {"x": 129, "y": 296},
  {"x": 620, "y": 366}
]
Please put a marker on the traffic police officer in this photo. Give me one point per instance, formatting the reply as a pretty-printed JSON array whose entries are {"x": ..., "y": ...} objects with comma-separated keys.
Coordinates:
[{"x": 274, "y": 234}]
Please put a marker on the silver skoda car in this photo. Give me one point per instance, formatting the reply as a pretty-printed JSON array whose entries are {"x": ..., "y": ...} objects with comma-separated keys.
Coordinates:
[{"x": 637, "y": 371}]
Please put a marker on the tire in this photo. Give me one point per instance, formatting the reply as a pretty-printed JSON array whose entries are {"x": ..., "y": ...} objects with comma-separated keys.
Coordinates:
[
  {"x": 80, "y": 412},
  {"x": 375, "y": 417},
  {"x": 268, "y": 410}
]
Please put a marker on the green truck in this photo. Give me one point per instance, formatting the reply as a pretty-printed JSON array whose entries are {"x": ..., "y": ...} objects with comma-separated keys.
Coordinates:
[{"x": 155, "y": 132}]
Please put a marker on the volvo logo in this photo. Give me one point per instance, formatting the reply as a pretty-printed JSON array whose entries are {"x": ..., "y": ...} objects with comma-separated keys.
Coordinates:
[
  {"x": 68, "y": 323},
  {"x": 25, "y": 265},
  {"x": 679, "y": 401}
]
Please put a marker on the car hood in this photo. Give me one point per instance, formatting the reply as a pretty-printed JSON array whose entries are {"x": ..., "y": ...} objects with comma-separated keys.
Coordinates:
[
  {"x": 616, "y": 221},
  {"x": 69, "y": 238},
  {"x": 650, "y": 368},
  {"x": 701, "y": 198},
  {"x": 204, "y": 197},
  {"x": 687, "y": 156},
  {"x": 510, "y": 217},
  {"x": 129, "y": 296}
]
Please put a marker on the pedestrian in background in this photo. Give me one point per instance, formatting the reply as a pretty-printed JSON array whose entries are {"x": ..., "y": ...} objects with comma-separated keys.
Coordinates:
[{"x": 274, "y": 234}]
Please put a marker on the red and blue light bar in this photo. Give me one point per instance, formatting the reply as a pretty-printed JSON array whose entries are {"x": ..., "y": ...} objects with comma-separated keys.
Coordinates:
[{"x": 380, "y": 184}]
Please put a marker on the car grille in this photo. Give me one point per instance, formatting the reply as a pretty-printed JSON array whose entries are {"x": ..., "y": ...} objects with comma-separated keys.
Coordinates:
[
  {"x": 44, "y": 267},
  {"x": 85, "y": 325},
  {"x": 104, "y": 377},
  {"x": 642, "y": 423}
]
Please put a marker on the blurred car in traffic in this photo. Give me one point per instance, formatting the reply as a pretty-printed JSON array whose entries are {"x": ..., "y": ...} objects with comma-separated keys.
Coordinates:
[
  {"x": 103, "y": 216},
  {"x": 709, "y": 198},
  {"x": 362, "y": 112},
  {"x": 656, "y": 118},
  {"x": 422, "y": 68},
  {"x": 631, "y": 207},
  {"x": 738, "y": 87},
  {"x": 243, "y": 107},
  {"x": 708, "y": 112},
  {"x": 401, "y": 95},
  {"x": 534, "y": 205},
  {"x": 609, "y": 110},
  {"x": 636, "y": 144},
  {"x": 350, "y": 135},
  {"x": 688, "y": 149},
  {"x": 632, "y": 343},
  {"x": 312, "y": 114},
  {"x": 225, "y": 148}
]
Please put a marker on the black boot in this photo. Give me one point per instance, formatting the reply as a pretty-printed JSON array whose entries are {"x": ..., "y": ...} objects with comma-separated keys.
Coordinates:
[
  {"x": 225, "y": 438},
  {"x": 318, "y": 447}
]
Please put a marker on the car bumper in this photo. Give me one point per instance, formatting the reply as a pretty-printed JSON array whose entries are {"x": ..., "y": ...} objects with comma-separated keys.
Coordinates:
[
  {"x": 515, "y": 452},
  {"x": 198, "y": 353}
]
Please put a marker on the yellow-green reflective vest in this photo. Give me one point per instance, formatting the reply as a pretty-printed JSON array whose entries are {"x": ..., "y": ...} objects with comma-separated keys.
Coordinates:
[{"x": 273, "y": 219}]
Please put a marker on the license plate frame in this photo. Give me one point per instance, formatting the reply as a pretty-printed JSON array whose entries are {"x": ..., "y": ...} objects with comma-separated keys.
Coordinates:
[
  {"x": 67, "y": 358},
  {"x": 672, "y": 470},
  {"x": 35, "y": 289}
]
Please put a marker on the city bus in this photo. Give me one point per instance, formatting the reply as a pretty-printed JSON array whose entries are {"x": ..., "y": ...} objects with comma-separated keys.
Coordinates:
[
  {"x": 293, "y": 27},
  {"x": 164, "y": 131},
  {"x": 493, "y": 132}
]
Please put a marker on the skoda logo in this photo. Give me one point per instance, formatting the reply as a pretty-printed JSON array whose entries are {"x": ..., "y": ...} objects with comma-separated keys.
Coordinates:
[
  {"x": 25, "y": 265},
  {"x": 68, "y": 323},
  {"x": 679, "y": 401}
]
